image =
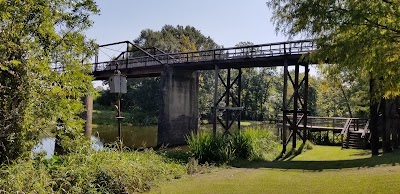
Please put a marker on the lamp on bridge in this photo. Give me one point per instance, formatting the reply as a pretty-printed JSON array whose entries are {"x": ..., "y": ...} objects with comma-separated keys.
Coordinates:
[{"x": 118, "y": 86}]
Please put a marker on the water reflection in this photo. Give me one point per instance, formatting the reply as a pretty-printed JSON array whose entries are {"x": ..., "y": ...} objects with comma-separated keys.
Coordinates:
[
  {"x": 47, "y": 145},
  {"x": 132, "y": 136}
]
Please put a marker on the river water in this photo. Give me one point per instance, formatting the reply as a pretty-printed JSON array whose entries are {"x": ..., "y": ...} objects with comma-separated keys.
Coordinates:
[{"x": 132, "y": 136}]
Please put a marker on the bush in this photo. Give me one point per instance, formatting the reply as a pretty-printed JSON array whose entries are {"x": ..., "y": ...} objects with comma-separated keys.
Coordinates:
[
  {"x": 96, "y": 172},
  {"x": 251, "y": 144},
  {"x": 263, "y": 144}
]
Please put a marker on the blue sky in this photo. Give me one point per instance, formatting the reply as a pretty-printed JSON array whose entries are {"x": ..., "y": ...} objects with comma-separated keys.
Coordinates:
[{"x": 226, "y": 21}]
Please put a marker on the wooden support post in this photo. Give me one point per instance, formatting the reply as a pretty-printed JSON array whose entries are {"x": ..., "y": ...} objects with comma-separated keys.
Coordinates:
[
  {"x": 227, "y": 102},
  {"x": 305, "y": 105},
  {"x": 295, "y": 105},
  {"x": 216, "y": 73},
  {"x": 232, "y": 109},
  {"x": 239, "y": 96},
  {"x": 285, "y": 106}
]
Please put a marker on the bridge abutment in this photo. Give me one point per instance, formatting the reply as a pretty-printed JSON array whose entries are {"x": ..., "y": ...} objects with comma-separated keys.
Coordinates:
[{"x": 179, "y": 105}]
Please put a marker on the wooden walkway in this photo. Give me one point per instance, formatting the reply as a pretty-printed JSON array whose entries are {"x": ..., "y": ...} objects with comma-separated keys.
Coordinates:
[
  {"x": 148, "y": 62},
  {"x": 353, "y": 131}
]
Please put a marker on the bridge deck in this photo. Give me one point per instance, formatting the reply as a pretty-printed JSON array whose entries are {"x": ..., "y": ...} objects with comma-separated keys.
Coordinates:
[{"x": 140, "y": 63}]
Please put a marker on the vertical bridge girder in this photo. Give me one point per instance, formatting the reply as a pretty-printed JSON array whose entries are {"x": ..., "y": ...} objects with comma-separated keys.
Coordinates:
[
  {"x": 230, "y": 108},
  {"x": 295, "y": 106}
]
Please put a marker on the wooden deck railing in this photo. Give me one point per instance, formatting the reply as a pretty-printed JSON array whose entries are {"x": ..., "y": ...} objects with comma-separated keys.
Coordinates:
[{"x": 336, "y": 124}]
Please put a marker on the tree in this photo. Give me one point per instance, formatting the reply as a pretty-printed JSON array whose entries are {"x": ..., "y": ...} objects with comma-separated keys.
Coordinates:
[
  {"x": 44, "y": 71},
  {"x": 183, "y": 39},
  {"x": 340, "y": 95},
  {"x": 143, "y": 93},
  {"x": 359, "y": 37}
]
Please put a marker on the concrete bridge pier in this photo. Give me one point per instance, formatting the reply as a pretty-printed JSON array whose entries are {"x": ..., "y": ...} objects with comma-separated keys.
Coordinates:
[{"x": 178, "y": 115}]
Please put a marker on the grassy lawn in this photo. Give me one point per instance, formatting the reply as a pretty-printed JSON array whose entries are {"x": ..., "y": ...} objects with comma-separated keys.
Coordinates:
[{"x": 323, "y": 169}]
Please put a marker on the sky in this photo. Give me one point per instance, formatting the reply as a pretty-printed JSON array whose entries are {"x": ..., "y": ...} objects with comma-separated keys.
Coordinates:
[{"x": 227, "y": 22}]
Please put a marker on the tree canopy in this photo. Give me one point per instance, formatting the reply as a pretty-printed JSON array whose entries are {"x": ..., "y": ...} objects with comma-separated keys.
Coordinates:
[
  {"x": 44, "y": 71},
  {"x": 360, "y": 37},
  {"x": 169, "y": 39}
]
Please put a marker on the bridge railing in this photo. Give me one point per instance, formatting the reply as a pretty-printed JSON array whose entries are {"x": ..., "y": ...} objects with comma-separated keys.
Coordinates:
[
  {"x": 331, "y": 123},
  {"x": 125, "y": 59}
]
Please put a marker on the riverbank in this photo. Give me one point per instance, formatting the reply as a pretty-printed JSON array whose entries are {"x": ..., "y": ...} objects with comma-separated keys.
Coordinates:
[{"x": 89, "y": 171}]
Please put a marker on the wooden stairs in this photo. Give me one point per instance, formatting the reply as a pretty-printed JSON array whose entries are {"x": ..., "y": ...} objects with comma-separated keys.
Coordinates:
[{"x": 355, "y": 135}]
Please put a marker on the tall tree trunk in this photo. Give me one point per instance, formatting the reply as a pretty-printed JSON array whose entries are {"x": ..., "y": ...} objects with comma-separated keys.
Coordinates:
[
  {"x": 347, "y": 100},
  {"x": 396, "y": 124},
  {"x": 373, "y": 115},
  {"x": 386, "y": 146}
]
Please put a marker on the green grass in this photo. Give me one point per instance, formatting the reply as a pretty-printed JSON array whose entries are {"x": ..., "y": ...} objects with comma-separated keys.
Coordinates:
[{"x": 323, "y": 169}]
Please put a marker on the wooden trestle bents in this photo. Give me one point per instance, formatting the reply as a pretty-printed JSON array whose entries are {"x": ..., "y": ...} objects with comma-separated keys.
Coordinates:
[
  {"x": 294, "y": 104},
  {"x": 228, "y": 112}
]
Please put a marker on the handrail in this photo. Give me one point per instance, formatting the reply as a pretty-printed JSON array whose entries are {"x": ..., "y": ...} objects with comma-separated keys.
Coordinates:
[
  {"x": 249, "y": 51},
  {"x": 365, "y": 130},
  {"x": 147, "y": 53},
  {"x": 345, "y": 131},
  {"x": 346, "y": 127},
  {"x": 159, "y": 50},
  {"x": 333, "y": 123}
]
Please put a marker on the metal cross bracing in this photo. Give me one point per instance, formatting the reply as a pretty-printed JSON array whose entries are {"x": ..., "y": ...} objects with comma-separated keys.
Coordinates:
[
  {"x": 146, "y": 62},
  {"x": 295, "y": 104},
  {"x": 227, "y": 107},
  {"x": 134, "y": 58}
]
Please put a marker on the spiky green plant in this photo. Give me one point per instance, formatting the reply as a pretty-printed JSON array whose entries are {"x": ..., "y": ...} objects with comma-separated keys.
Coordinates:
[{"x": 250, "y": 144}]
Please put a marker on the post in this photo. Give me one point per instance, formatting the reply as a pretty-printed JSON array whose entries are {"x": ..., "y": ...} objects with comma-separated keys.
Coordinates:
[
  {"x": 88, "y": 116},
  {"x": 96, "y": 61},
  {"x": 119, "y": 117},
  {"x": 228, "y": 89},
  {"x": 118, "y": 86},
  {"x": 305, "y": 108},
  {"x": 127, "y": 56},
  {"x": 239, "y": 96},
  {"x": 284, "y": 107},
  {"x": 216, "y": 72},
  {"x": 295, "y": 106}
]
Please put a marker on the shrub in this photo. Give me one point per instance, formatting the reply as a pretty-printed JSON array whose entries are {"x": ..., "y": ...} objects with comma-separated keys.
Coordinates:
[
  {"x": 263, "y": 144},
  {"x": 95, "y": 172},
  {"x": 205, "y": 147},
  {"x": 250, "y": 144}
]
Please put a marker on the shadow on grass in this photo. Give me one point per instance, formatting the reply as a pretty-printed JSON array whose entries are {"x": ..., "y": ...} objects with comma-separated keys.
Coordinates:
[
  {"x": 291, "y": 154},
  {"x": 363, "y": 153},
  {"x": 391, "y": 159},
  {"x": 178, "y": 154}
]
